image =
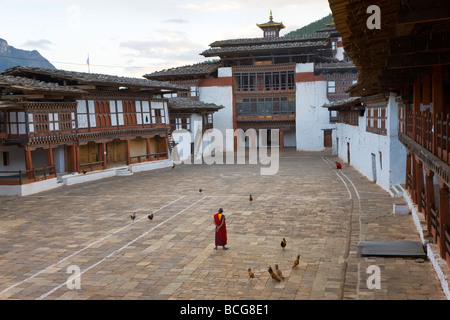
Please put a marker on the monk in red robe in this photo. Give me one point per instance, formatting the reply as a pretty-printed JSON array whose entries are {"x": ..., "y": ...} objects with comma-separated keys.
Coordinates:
[
  {"x": 221, "y": 230},
  {"x": 338, "y": 165}
]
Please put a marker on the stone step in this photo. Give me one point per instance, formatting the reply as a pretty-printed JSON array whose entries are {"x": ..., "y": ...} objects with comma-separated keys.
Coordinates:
[
  {"x": 396, "y": 191},
  {"x": 123, "y": 172}
]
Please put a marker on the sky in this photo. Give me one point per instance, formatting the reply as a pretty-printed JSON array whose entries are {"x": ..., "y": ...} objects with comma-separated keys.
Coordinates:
[{"x": 135, "y": 37}]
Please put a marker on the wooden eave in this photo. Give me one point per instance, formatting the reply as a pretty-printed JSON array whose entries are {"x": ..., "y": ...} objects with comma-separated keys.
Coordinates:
[
  {"x": 99, "y": 81},
  {"x": 413, "y": 35}
]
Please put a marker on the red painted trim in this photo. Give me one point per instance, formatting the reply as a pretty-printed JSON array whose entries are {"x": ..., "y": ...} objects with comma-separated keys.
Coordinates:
[
  {"x": 217, "y": 82},
  {"x": 308, "y": 77}
]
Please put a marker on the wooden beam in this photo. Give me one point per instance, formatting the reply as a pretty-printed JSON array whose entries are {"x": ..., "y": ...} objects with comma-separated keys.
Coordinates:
[
  {"x": 420, "y": 42},
  {"x": 423, "y": 11},
  {"x": 426, "y": 89},
  {"x": 437, "y": 90},
  {"x": 22, "y": 96},
  {"x": 83, "y": 86},
  {"x": 418, "y": 60},
  {"x": 396, "y": 80}
]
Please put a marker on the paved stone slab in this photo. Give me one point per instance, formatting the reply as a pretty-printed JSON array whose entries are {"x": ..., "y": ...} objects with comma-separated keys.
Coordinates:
[{"x": 172, "y": 256}]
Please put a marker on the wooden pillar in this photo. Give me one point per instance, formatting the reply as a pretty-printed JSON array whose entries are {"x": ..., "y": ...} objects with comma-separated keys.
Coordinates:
[
  {"x": 51, "y": 162},
  {"x": 128, "y": 152},
  {"x": 426, "y": 89},
  {"x": 437, "y": 95},
  {"x": 281, "y": 139},
  {"x": 29, "y": 162},
  {"x": 78, "y": 157},
  {"x": 166, "y": 145},
  {"x": 148, "y": 150},
  {"x": 102, "y": 151},
  {"x": 408, "y": 172},
  {"x": 429, "y": 195},
  {"x": 414, "y": 179},
  {"x": 416, "y": 106},
  {"x": 75, "y": 157},
  {"x": 437, "y": 90},
  {"x": 419, "y": 185},
  {"x": 443, "y": 215}
]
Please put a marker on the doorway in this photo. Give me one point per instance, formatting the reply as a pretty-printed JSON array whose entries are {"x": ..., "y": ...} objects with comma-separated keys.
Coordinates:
[
  {"x": 327, "y": 142},
  {"x": 348, "y": 152}
]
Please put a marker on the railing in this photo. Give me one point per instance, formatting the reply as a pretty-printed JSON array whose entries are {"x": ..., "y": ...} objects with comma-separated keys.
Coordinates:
[
  {"x": 409, "y": 180},
  {"x": 419, "y": 134},
  {"x": 26, "y": 176},
  {"x": 428, "y": 131},
  {"x": 446, "y": 240},
  {"x": 91, "y": 165},
  {"x": 442, "y": 138},
  {"x": 244, "y": 117},
  {"x": 423, "y": 201},
  {"x": 419, "y": 127},
  {"x": 144, "y": 156},
  {"x": 158, "y": 156},
  {"x": 434, "y": 222},
  {"x": 409, "y": 124},
  {"x": 150, "y": 156}
]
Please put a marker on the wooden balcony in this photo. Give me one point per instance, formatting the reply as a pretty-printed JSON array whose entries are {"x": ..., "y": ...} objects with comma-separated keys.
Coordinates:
[
  {"x": 436, "y": 140},
  {"x": 274, "y": 117}
]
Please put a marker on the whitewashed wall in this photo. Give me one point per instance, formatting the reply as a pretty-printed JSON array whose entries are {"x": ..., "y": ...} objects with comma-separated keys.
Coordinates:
[
  {"x": 363, "y": 144},
  {"x": 339, "y": 51},
  {"x": 223, "y": 119},
  {"x": 311, "y": 118},
  {"x": 16, "y": 159}
]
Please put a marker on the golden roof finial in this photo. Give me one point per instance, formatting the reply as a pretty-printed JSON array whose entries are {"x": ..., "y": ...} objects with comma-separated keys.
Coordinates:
[{"x": 270, "y": 18}]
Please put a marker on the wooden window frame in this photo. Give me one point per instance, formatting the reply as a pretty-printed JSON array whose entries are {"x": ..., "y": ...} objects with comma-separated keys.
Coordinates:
[{"x": 377, "y": 119}]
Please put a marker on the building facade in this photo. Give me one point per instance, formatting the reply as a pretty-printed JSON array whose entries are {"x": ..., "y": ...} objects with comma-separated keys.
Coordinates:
[
  {"x": 409, "y": 57},
  {"x": 272, "y": 82},
  {"x": 366, "y": 137},
  {"x": 72, "y": 125}
]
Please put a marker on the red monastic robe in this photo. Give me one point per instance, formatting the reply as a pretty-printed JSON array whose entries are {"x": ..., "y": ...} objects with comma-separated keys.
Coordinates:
[{"x": 221, "y": 233}]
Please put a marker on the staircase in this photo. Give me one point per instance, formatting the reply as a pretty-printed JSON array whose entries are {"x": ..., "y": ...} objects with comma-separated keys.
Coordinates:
[
  {"x": 396, "y": 191},
  {"x": 123, "y": 172}
]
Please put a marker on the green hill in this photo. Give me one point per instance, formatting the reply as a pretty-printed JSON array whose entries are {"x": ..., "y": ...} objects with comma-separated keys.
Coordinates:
[{"x": 310, "y": 28}]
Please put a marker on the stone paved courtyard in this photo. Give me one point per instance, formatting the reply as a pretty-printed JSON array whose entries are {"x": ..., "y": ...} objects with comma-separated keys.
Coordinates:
[{"x": 322, "y": 214}]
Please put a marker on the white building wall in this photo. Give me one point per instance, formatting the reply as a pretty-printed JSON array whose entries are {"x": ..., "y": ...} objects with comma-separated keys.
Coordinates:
[
  {"x": 363, "y": 144},
  {"x": 16, "y": 159},
  {"x": 339, "y": 50},
  {"x": 397, "y": 157},
  {"x": 223, "y": 119},
  {"x": 311, "y": 118}
]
